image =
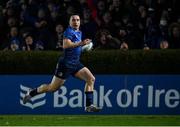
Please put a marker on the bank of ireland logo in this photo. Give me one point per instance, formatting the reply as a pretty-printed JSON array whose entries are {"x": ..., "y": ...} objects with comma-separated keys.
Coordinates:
[{"x": 35, "y": 102}]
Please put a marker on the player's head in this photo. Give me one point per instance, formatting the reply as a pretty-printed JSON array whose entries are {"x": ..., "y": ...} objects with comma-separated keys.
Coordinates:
[{"x": 74, "y": 21}]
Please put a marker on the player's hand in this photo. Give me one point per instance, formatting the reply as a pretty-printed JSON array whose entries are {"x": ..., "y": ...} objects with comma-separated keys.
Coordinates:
[{"x": 85, "y": 41}]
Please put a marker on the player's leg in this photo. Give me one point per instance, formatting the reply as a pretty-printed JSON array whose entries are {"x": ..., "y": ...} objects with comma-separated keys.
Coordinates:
[
  {"x": 53, "y": 86},
  {"x": 87, "y": 76},
  {"x": 61, "y": 73}
]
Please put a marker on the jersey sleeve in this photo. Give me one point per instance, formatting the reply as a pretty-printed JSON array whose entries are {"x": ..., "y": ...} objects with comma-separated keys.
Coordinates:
[{"x": 68, "y": 35}]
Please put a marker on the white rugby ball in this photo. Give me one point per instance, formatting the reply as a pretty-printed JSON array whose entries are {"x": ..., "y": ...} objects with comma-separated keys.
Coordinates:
[{"x": 87, "y": 47}]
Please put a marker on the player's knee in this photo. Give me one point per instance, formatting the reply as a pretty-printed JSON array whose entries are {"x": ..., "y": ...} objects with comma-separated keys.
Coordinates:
[
  {"x": 52, "y": 88},
  {"x": 91, "y": 80}
]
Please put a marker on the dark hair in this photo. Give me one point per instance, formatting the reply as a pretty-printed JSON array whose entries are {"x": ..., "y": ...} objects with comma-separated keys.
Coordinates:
[
  {"x": 25, "y": 35},
  {"x": 172, "y": 26},
  {"x": 100, "y": 33}
]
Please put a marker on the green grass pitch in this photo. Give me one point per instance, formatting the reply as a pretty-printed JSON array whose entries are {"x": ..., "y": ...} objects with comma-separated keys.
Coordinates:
[{"x": 89, "y": 120}]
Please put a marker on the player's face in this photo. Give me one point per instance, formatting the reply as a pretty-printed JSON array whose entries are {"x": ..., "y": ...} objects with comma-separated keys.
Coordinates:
[{"x": 75, "y": 22}]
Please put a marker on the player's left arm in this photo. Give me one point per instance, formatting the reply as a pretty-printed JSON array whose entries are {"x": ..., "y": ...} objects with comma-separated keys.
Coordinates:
[{"x": 67, "y": 43}]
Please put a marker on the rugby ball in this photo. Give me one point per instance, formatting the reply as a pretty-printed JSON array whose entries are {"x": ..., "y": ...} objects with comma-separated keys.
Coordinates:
[{"x": 87, "y": 47}]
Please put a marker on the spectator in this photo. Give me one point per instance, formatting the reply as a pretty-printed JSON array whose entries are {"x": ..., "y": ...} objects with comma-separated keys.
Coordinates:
[
  {"x": 59, "y": 37},
  {"x": 89, "y": 26},
  {"x": 105, "y": 40},
  {"x": 30, "y": 44},
  {"x": 2, "y": 28},
  {"x": 152, "y": 33},
  {"x": 101, "y": 9},
  {"x": 117, "y": 10},
  {"x": 174, "y": 37},
  {"x": 14, "y": 43},
  {"x": 142, "y": 14},
  {"x": 107, "y": 23}
]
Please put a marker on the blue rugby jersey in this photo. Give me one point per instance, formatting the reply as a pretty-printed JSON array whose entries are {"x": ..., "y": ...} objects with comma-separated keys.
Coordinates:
[{"x": 72, "y": 55}]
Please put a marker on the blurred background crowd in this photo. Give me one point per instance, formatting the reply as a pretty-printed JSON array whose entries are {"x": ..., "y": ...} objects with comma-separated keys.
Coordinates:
[{"x": 111, "y": 24}]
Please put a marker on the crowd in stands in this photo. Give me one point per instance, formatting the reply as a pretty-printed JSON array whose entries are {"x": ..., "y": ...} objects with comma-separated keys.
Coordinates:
[{"x": 112, "y": 24}]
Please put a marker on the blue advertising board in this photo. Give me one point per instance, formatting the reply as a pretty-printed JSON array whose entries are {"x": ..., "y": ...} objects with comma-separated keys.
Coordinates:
[{"x": 116, "y": 94}]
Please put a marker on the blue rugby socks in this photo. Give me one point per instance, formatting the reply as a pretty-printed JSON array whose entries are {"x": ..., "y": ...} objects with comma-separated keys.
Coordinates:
[{"x": 89, "y": 98}]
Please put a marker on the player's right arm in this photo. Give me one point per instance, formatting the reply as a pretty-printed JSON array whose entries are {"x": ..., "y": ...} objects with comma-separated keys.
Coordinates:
[{"x": 67, "y": 43}]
